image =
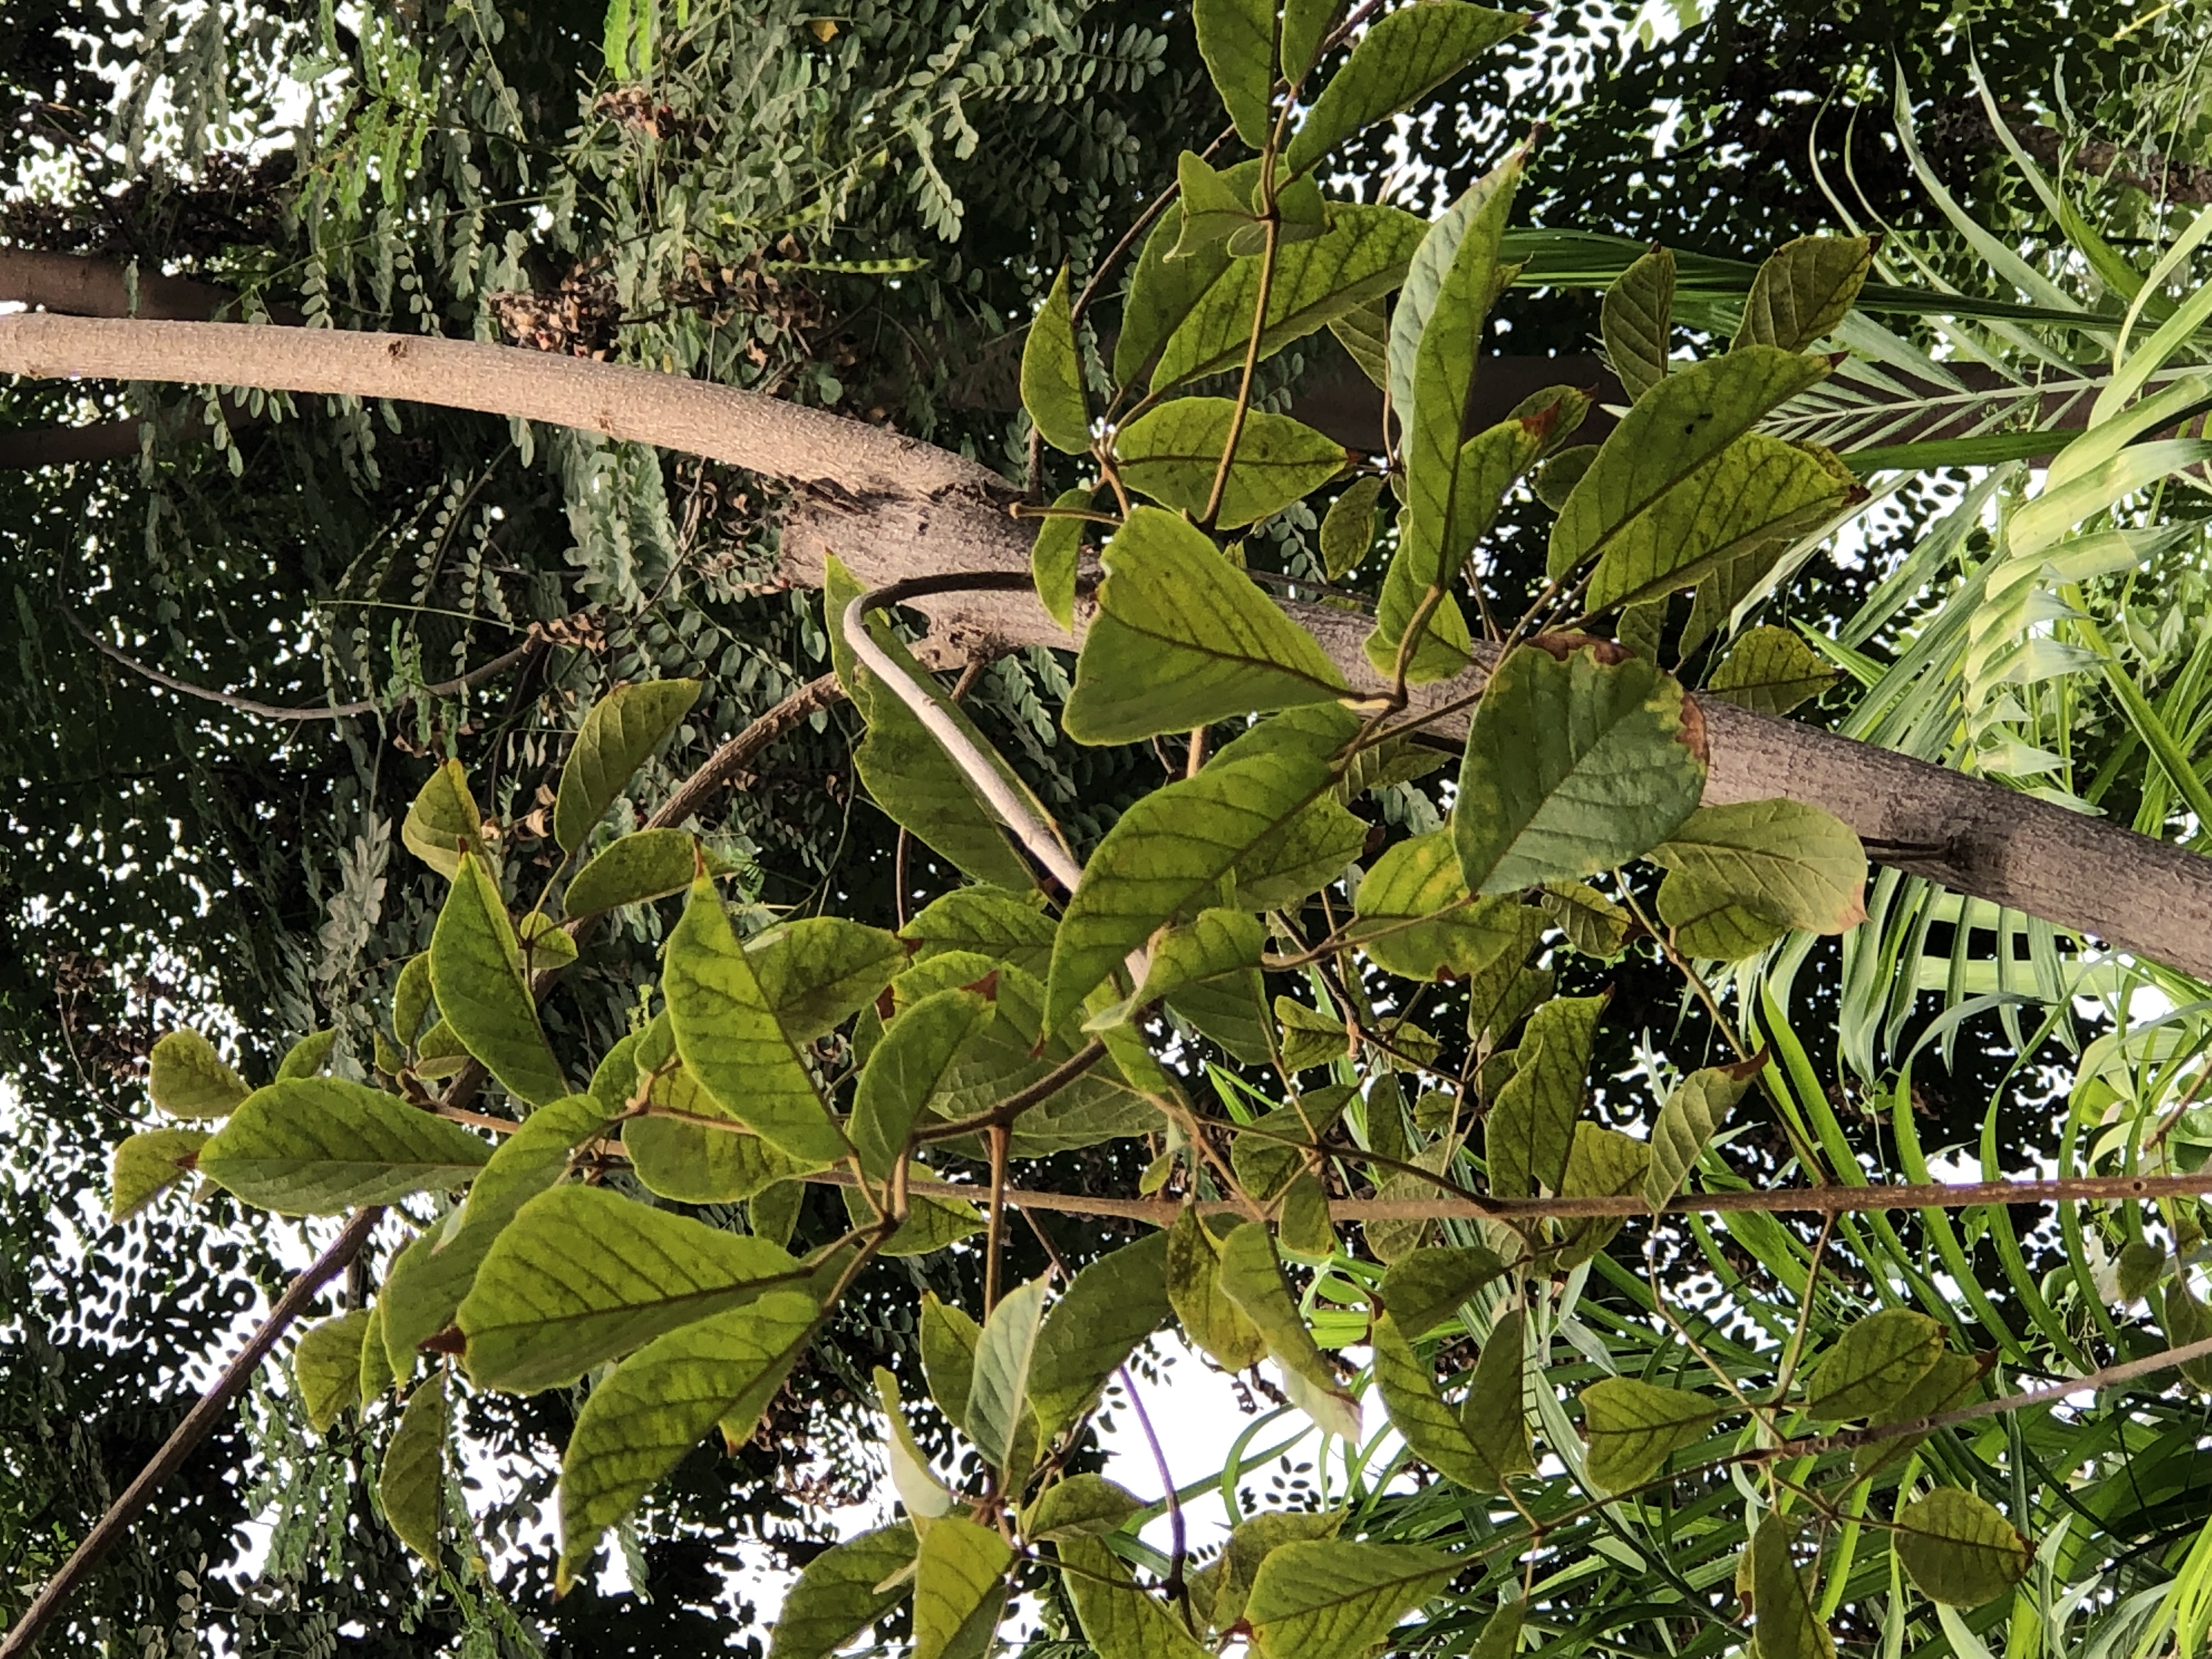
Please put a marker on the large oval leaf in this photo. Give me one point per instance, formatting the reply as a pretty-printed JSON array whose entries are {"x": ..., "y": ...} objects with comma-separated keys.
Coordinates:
[
  {"x": 1406, "y": 53},
  {"x": 187, "y": 1078},
  {"x": 483, "y": 994},
  {"x": 320, "y": 1146},
  {"x": 1958, "y": 1549},
  {"x": 623, "y": 728},
  {"x": 1325, "y": 1601},
  {"x": 1172, "y": 454}
]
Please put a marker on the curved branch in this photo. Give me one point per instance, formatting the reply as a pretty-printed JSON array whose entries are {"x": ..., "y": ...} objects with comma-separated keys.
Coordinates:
[
  {"x": 725, "y": 763},
  {"x": 893, "y": 509}
]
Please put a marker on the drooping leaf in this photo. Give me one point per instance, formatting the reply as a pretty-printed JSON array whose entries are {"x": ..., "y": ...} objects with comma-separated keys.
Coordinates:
[
  {"x": 322, "y": 1146},
  {"x": 726, "y": 1030},
  {"x": 1427, "y": 1286},
  {"x": 410, "y": 996},
  {"x": 582, "y": 1275},
  {"x": 1348, "y": 530},
  {"x": 1362, "y": 255},
  {"x": 442, "y": 822},
  {"x": 1770, "y": 671},
  {"x": 476, "y": 965},
  {"x": 1326, "y": 1600},
  {"x": 1183, "y": 638},
  {"x": 374, "y": 1378},
  {"x": 1404, "y": 54},
  {"x": 1601, "y": 1162},
  {"x": 1530, "y": 1132},
  {"x": 1251, "y": 1541},
  {"x": 1959, "y": 1548},
  {"x": 1171, "y": 454},
  {"x": 1786, "y": 862},
  {"x": 1107, "y": 1309},
  {"x": 640, "y": 1423},
  {"x": 410, "y": 1488},
  {"x": 1078, "y": 1506},
  {"x": 1574, "y": 765},
  {"x": 1052, "y": 374},
  {"x": 1413, "y": 915},
  {"x": 906, "y": 1069},
  {"x": 1695, "y": 412},
  {"x": 840, "y": 1592},
  {"x": 1251, "y": 1278},
  {"x": 1057, "y": 551},
  {"x": 1788, "y": 1622},
  {"x": 924, "y": 1496},
  {"x": 998, "y": 1398},
  {"x": 1872, "y": 1362},
  {"x": 617, "y": 737},
  {"x": 959, "y": 1589},
  {"x": 1804, "y": 290},
  {"x": 147, "y": 1165},
  {"x": 1210, "y": 1318},
  {"x": 1636, "y": 320},
  {"x": 647, "y": 865},
  {"x": 187, "y": 1078},
  {"x": 1688, "y": 1122},
  {"x": 1632, "y": 1427},
  {"x": 1237, "y": 39},
  {"x": 326, "y": 1367},
  {"x": 1119, "y": 1620},
  {"x": 1433, "y": 1432},
  {"x": 948, "y": 1340}
]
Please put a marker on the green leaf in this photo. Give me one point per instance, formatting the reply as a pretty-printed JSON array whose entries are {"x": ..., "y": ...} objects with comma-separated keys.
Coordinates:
[
  {"x": 949, "y": 1338},
  {"x": 476, "y": 965},
  {"x": 1107, "y": 1309},
  {"x": 147, "y": 1165},
  {"x": 1686, "y": 1125},
  {"x": 1182, "y": 638},
  {"x": 1306, "y": 25},
  {"x": 649, "y": 865},
  {"x": 1171, "y": 454},
  {"x": 442, "y": 822},
  {"x": 1530, "y": 1133},
  {"x": 1210, "y": 1319},
  {"x": 374, "y": 1378},
  {"x": 680, "y": 1157},
  {"x": 617, "y": 735},
  {"x": 1601, "y": 1163},
  {"x": 1251, "y": 1541},
  {"x": 931, "y": 1223},
  {"x": 1347, "y": 530},
  {"x": 1433, "y": 1431},
  {"x": 1872, "y": 1364},
  {"x": 1574, "y": 765},
  {"x": 1166, "y": 855},
  {"x": 1633, "y": 1427},
  {"x": 925, "y": 1497},
  {"x": 322, "y": 1146},
  {"x": 1414, "y": 916},
  {"x": 640, "y": 1423},
  {"x": 1555, "y": 480},
  {"x": 326, "y": 1367},
  {"x": 1636, "y": 320},
  {"x": 727, "y": 1030},
  {"x": 307, "y": 1056},
  {"x": 905, "y": 1071},
  {"x": 1237, "y": 39},
  {"x": 1264, "y": 1167},
  {"x": 1327, "y": 1600},
  {"x": 1214, "y": 944},
  {"x": 1691, "y": 417},
  {"x": 1405, "y": 54},
  {"x": 1251, "y": 1278},
  {"x": 187, "y": 1078},
  {"x": 1078, "y": 1506},
  {"x": 1162, "y": 291},
  {"x": 841, "y": 1592},
  {"x": 1788, "y": 1624},
  {"x": 1959, "y": 1548},
  {"x": 1052, "y": 374},
  {"x": 1057, "y": 551},
  {"x": 998, "y": 1399},
  {"x": 582, "y": 1274},
  {"x": 1593, "y": 923},
  {"x": 422, "y": 1289},
  {"x": 1119, "y": 1620},
  {"x": 987, "y": 920},
  {"x": 1708, "y": 923},
  {"x": 1788, "y": 862},
  {"x": 1951, "y": 1382},
  {"x": 1756, "y": 493},
  {"x": 410, "y": 1487},
  {"x": 1306, "y": 854},
  {"x": 959, "y": 1589},
  {"x": 1364, "y": 331},
  {"x": 1362, "y": 255},
  {"x": 1212, "y": 210},
  {"x": 1804, "y": 291},
  {"x": 1425, "y": 1287},
  {"x": 815, "y": 972},
  {"x": 1770, "y": 671},
  {"x": 410, "y": 997}
]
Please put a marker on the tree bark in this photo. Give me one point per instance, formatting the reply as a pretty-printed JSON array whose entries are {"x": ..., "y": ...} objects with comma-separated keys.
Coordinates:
[
  {"x": 82, "y": 287},
  {"x": 892, "y": 508}
]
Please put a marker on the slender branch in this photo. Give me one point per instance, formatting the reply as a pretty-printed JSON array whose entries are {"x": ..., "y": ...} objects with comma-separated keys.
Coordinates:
[
  {"x": 730, "y": 760},
  {"x": 187, "y": 1435}
]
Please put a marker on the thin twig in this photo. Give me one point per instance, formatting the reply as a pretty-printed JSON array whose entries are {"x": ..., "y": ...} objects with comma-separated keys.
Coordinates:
[{"x": 731, "y": 758}]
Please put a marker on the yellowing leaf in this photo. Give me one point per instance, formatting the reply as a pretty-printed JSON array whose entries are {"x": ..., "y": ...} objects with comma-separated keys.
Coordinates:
[
  {"x": 1872, "y": 1364},
  {"x": 1632, "y": 1427},
  {"x": 1770, "y": 671},
  {"x": 1055, "y": 554},
  {"x": 412, "y": 1486},
  {"x": 1348, "y": 530},
  {"x": 147, "y": 1165},
  {"x": 1958, "y": 1549},
  {"x": 1688, "y": 1122},
  {"x": 649, "y": 864},
  {"x": 442, "y": 822},
  {"x": 1119, "y": 1620},
  {"x": 1210, "y": 1319},
  {"x": 1804, "y": 290},
  {"x": 187, "y": 1078},
  {"x": 1413, "y": 914},
  {"x": 1326, "y": 1600},
  {"x": 1788, "y": 863},
  {"x": 959, "y": 1589},
  {"x": 1789, "y": 1625},
  {"x": 1530, "y": 1132},
  {"x": 326, "y": 1367},
  {"x": 840, "y": 1592},
  {"x": 1636, "y": 320}
]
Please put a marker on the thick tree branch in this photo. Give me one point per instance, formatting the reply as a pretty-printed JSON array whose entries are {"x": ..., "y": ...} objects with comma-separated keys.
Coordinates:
[
  {"x": 82, "y": 287},
  {"x": 894, "y": 509}
]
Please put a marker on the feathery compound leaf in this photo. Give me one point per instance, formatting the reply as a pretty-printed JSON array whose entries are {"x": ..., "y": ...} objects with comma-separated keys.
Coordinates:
[
  {"x": 1873, "y": 1363},
  {"x": 187, "y": 1078},
  {"x": 1107, "y": 1309},
  {"x": 1687, "y": 1123},
  {"x": 1770, "y": 671},
  {"x": 1182, "y": 638},
  {"x": 1804, "y": 290},
  {"x": 1792, "y": 864},
  {"x": 1056, "y": 552},
  {"x": 326, "y": 1367},
  {"x": 1362, "y": 255},
  {"x": 1172, "y": 452},
  {"x": 1788, "y": 1624},
  {"x": 1691, "y": 417},
  {"x": 582, "y": 1274},
  {"x": 1413, "y": 915},
  {"x": 1573, "y": 765},
  {"x": 442, "y": 821},
  {"x": 1119, "y": 1620},
  {"x": 1052, "y": 374},
  {"x": 839, "y": 1593},
  {"x": 1958, "y": 1549},
  {"x": 1638, "y": 321},
  {"x": 1237, "y": 39},
  {"x": 1424, "y": 1287},
  {"x": 1530, "y": 1132},
  {"x": 959, "y": 1589},
  {"x": 1406, "y": 53},
  {"x": 620, "y": 733},
  {"x": 999, "y": 1394},
  {"x": 322, "y": 1146},
  {"x": 906, "y": 1069},
  {"x": 1632, "y": 1427},
  {"x": 412, "y": 1486},
  {"x": 1326, "y": 1600},
  {"x": 147, "y": 1165},
  {"x": 475, "y": 966},
  {"x": 649, "y": 865},
  {"x": 726, "y": 1029},
  {"x": 640, "y": 1423}
]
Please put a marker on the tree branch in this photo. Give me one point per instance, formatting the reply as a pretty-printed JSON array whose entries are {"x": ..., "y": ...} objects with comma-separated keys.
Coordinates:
[
  {"x": 894, "y": 509},
  {"x": 727, "y": 763},
  {"x": 188, "y": 1434}
]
